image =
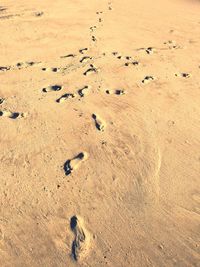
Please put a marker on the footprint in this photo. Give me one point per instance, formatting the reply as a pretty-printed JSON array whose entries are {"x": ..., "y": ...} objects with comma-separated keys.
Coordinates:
[
  {"x": 135, "y": 63},
  {"x": 84, "y": 91},
  {"x": 109, "y": 6},
  {"x": 51, "y": 69},
  {"x": 6, "y": 68},
  {"x": 2, "y": 8},
  {"x": 1, "y": 100},
  {"x": 99, "y": 123},
  {"x": 11, "y": 115},
  {"x": 94, "y": 39},
  {"x": 92, "y": 69},
  {"x": 85, "y": 59},
  {"x": 22, "y": 65},
  {"x": 39, "y": 14},
  {"x": 81, "y": 241},
  {"x": 183, "y": 75},
  {"x": 93, "y": 28},
  {"x": 148, "y": 79},
  {"x": 119, "y": 56},
  {"x": 52, "y": 88},
  {"x": 64, "y": 97},
  {"x": 172, "y": 44},
  {"x": 125, "y": 57},
  {"x": 69, "y": 55},
  {"x": 150, "y": 50},
  {"x": 82, "y": 51},
  {"x": 115, "y": 53},
  {"x": 72, "y": 164},
  {"x": 32, "y": 63},
  {"x": 116, "y": 92}
]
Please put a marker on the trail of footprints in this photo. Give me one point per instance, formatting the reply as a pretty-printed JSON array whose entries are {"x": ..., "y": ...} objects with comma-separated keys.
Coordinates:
[
  {"x": 81, "y": 242},
  {"x": 19, "y": 66}
]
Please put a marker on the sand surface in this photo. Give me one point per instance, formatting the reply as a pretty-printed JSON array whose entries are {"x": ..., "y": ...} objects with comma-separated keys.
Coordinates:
[{"x": 100, "y": 133}]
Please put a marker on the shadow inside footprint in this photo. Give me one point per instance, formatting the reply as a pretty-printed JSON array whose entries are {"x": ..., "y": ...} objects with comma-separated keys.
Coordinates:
[
  {"x": 52, "y": 88},
  {"x": 14, "y": 115}
]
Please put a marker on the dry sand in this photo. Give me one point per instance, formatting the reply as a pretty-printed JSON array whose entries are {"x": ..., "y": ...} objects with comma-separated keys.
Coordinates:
[{"x": 100, "y": 123}]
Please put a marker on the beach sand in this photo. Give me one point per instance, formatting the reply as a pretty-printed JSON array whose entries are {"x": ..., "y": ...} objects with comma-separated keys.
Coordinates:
[{"x": 100, "y": 123}]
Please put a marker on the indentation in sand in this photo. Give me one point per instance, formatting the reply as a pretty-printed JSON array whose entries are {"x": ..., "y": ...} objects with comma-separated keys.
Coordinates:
[
  {"x": 11, "y": 115},
  {"x": 81, "y": 243},
  {"x": 72, "y": 164},
  {"x": 99, "y": 123},
  {"x": 52, "y": 88}
]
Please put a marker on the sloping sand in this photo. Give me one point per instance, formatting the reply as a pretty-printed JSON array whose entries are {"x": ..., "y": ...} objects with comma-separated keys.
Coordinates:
[{"x": 100, "y": 133}]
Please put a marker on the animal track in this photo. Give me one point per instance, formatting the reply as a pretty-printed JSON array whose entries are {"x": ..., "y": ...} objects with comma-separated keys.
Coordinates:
[
  {"x": 84, "y": 91},
  {"x": 99, "y": 123},
  {"x": 116, "y": 92},
  {"x": 183, "y": 75},
  {"x": 72, "y": 164},
  {"x": 92, "y": 69},
  {"x": 80, "y": 245},
  {"x": 148, "y": 79},
  {"x": 52, "y": 88},
  {"x": 11, "y": 115}
]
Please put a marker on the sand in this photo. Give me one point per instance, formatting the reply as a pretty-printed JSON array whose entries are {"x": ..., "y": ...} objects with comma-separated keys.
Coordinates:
[{"x": 100, "y": 123}]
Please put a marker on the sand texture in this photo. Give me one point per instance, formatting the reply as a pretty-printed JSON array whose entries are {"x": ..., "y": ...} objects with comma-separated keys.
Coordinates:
[{"x": 100, "y": 133}]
